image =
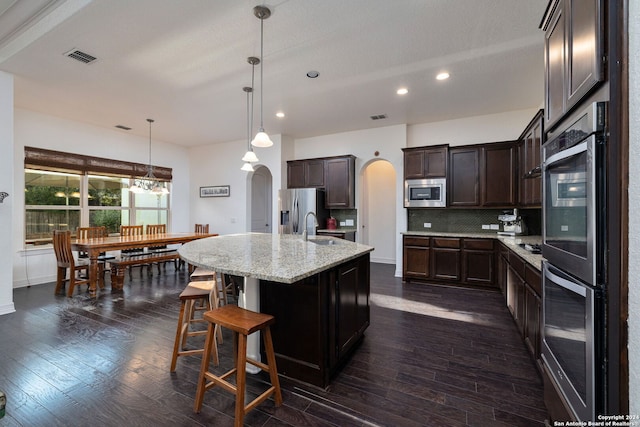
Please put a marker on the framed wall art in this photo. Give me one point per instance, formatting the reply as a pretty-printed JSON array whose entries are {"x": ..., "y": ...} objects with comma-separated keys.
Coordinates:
[{"x": 215, "y": 191}]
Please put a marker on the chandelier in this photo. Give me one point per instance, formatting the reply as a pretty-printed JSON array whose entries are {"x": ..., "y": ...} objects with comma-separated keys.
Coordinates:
[{"x": 149, "y": 183}]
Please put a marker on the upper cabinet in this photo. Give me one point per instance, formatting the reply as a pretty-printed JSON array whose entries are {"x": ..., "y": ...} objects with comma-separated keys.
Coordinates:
[
  {"x": 574, "y": 54},
  {"x": 340, "y": 182},
  {"x": 483, "y": 175},
  {"x": 530, "y": 179},
  {"x": 305, "y": 173},
  {"x": 425, "y": 162},
  {"x": 335, "y": 174}
]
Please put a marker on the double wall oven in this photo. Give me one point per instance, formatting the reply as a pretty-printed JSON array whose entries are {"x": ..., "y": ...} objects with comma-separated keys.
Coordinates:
[{"x": 573, "y": 228}]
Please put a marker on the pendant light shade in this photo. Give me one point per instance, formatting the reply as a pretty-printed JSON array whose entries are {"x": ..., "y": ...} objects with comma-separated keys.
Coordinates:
[
  {"x": 247, "y": 167},
  {"x": 250, "y": 157},
  {"x": 261, "y": 139}
]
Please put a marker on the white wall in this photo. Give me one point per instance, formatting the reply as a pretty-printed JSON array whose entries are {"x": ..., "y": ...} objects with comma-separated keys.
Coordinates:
[
  {"x": 634, "y": 208},
  {"x": 471, "y": 130},
  {"x": 219, "y": 164},
  {"x": 363, "y": 144},
  {"x": 33, "y": 129},
  {"x": 6, "y": 185},
  {"x": 377, "y": 210}
]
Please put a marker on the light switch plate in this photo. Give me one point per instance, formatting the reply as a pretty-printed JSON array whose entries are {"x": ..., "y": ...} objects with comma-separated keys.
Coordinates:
[
  {"x": 342, "y": 224},
  {"x": 349, "y": 222},
  {"x": 495, "y": 226},
  {"x": 486, "y": 227},
  {"x": 427, "y": 225}
]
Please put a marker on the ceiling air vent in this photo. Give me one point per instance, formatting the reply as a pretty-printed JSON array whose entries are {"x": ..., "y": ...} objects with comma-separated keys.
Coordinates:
[
  {"x": 81, "y": 56},
  {"x": 123, "y": 127},
  {"x": 379, "y": 117}
]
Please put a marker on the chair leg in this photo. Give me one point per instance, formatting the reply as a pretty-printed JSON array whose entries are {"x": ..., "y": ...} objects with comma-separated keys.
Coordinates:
[
  {"x": 61, "y": 276},
  {"x": 176, "y": 344},
  {"x": 72, "y": 283},
  {"x": 204, "y": 368}
]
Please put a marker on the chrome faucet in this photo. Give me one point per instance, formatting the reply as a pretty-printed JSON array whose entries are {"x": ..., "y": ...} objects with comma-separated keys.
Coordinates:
[{"x": 315, "y": 222}]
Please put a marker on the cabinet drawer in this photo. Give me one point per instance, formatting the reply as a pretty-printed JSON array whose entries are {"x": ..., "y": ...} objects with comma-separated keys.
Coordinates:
[
  {"x": 478, "y": 244},
  {"x": 443, "y": 242},
  {"x": 416, "y": 241},
  {"x": 533, "y": 278}
]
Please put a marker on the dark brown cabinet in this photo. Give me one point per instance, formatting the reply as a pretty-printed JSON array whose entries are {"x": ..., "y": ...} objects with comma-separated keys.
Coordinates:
[
  {"x": 335, "y": 174},
  {"x": 330, "y": 310},
  {"x": 573, "y": 54},
  {"x": 483, "y": 175},
  {"x": 498, "y": 186},
  {"x": 467, "y": 261},
  {"x": 523, "y": 295},
  {"x": 464, "y": 176},
  {"x": 340, "y": 182},
  {"x": 425, "y": 162},
  {"x": 531, "y": 140},
  {"x": 415, "y": 259},
  {"x": 305, "y": 173},
  {"x": 445, "y": 259},
  {"x": 478, "y": 262}
]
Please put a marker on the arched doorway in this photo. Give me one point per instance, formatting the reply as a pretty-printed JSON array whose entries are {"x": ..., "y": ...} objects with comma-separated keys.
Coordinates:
[
  {"x": 379, "y": 210},
  {"x": 260, "y": 210}
]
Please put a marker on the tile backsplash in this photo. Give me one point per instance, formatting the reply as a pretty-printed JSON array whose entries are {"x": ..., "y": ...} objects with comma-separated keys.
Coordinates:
[
  {"x": 467, "y": 220},
  {"x": 345, "y": 215}
]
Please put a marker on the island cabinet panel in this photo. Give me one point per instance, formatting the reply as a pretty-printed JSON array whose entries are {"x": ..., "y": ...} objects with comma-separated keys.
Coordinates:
[
  {"x": 445, "y": 259},
  {"x": 416, "y": 257},
  {"x": 319, "y": 320},
  {"x": 425, "y": 162}
]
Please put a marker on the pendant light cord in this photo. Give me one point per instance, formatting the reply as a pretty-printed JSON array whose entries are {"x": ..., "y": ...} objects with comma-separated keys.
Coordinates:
[{"x": 261, "y": 75}]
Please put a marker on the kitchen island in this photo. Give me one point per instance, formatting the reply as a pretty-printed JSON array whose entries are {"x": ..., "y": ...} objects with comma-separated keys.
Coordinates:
[{"x": 317, "y": 290}]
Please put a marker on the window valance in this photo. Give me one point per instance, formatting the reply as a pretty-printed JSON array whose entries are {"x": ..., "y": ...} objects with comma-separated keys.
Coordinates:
[{"x": 37, "y": 158}]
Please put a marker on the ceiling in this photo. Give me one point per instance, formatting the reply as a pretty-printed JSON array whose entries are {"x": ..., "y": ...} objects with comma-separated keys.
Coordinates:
[{"x": 184, "y": 63}]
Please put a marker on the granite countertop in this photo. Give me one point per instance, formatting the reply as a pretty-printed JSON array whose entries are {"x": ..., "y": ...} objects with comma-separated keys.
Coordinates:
[
  {"x": 281, "y": 258},
  {"x": 512, "y": 242}
]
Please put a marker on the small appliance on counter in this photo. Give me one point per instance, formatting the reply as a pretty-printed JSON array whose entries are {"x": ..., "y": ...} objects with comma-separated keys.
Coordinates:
[
  {"x": 512, "y": 224},
  {"x": 332, "y": 223}
]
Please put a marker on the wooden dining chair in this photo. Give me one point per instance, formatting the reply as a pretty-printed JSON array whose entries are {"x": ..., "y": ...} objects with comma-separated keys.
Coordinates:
[
  {"x": 202, "y": 228},
  {"x": 127, "y": 231},
  {"x": 83, "y": 233},
  {"x": 66, "y": 261},
  {"x": 159, "y": 229}
]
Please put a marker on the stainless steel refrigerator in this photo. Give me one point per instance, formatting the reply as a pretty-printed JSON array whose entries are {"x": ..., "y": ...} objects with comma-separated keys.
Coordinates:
[{"x": 295, "y": 203}]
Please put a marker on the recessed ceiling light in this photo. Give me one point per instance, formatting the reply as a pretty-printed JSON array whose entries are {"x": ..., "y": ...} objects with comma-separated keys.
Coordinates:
[
  {"x": 280, "y": 114},
  {"x": 313, "y": 74},
  {"x": 402, "y": 91},
  {"x": 442, "y": 76}
]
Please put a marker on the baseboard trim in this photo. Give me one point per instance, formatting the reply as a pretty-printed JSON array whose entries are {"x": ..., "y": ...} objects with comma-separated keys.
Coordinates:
[{"x": 7, "y": 308}]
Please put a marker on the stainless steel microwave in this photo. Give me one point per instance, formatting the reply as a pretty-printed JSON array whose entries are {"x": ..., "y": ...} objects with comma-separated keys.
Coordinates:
[{"x": 425, "y": 193}]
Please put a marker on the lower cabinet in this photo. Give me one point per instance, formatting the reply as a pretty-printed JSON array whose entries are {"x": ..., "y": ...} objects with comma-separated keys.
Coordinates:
[
  {"x": 454, "y": 260},
  {"x": 330, "y": 310},
  {"x": 523, "y": 294}
]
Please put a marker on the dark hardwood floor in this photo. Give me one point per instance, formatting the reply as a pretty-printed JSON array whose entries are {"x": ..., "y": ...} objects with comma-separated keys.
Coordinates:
[{"x": 433, "y": 356}]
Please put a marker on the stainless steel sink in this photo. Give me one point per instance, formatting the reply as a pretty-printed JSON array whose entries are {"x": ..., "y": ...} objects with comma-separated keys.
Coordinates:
[{"x": 324, "y": 242}]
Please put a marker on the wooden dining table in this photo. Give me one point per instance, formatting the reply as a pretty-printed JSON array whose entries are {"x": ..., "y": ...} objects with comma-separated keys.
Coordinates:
[{"x": 94, "y": 247}]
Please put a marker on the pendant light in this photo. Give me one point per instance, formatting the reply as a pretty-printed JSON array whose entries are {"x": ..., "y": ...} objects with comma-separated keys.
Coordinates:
[
  {"x": 261, "y": 139},
  {"x": 149, "y": 183},
  {"x": 250, "y": 156}
]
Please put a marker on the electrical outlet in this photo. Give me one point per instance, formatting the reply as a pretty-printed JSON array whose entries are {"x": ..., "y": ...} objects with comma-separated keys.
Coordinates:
[
  {"x": 495, "y": 226},
  {"x": 349, "y": 223},
  {"x": 564, "y": 228},
  {"x": 342, "y": 223},
  {"x": 427, "y": 225},
  {"x": 486, "y": 227}
]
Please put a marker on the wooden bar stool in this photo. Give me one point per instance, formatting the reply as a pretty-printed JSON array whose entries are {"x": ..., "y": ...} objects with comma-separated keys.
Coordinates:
[
  {"x": 201, "y": 273},
  {"x": 204, "y": 290},
  {"x": 243, "y": 323}
]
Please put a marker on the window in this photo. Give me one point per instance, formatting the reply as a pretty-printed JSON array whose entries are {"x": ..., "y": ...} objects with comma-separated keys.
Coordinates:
[{"x": 60, "y": 198}]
